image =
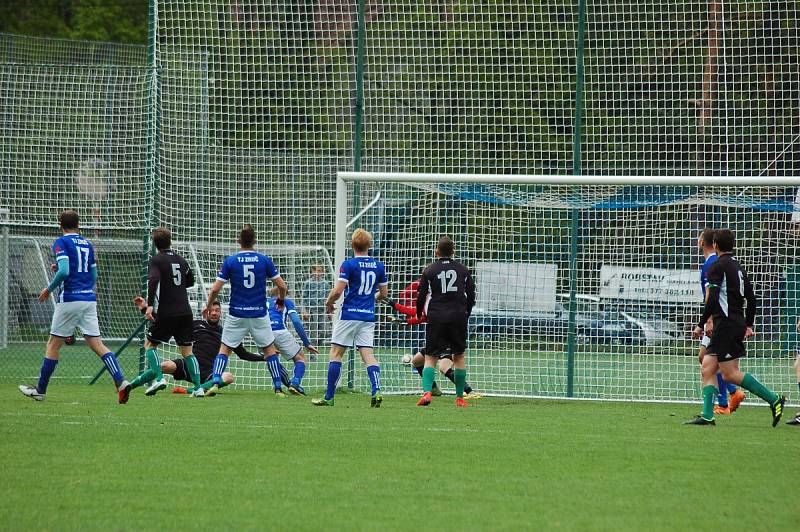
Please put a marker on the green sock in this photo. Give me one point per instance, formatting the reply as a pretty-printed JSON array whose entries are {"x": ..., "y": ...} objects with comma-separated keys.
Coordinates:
[
  {"x": 428, "y": 376},
  {"x": 709, "y": 393},
  {"x": 194, "y": 370},
  {"x": 154, "y": 363},
  {"x": 460, "y": 377},
  {"x": 750, "y": 383},
  {"x": 210, "y": 382},
  {"x": 146, "y": 376}
]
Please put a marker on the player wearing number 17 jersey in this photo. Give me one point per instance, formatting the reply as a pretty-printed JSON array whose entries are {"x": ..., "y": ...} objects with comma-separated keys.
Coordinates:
[
  {"x": 76, "y": 307},
  {"x": 361, "y": 278},
  {"x": 248, "y": 272}
]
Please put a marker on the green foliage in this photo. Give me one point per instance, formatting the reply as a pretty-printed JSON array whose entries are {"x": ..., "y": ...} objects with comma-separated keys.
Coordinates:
[
  {"x": 122, "y": 21},
  {"x": 502, "y": 464}
]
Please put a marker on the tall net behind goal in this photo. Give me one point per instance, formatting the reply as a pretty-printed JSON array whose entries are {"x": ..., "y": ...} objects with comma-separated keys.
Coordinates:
[{"x": 636, "y": 271}]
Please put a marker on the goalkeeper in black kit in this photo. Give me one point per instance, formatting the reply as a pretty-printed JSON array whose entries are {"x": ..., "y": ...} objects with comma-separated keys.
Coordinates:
[
  {"x": 207, "y": 336},
  {"x": 452, "y": 296}
]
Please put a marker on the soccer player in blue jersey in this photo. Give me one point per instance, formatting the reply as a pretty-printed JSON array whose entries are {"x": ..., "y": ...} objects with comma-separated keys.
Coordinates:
[
  {"x": 75, "y": 274},
  {"x": 248, "y": 272},
  {"x": 287, "y": 346},
  {"x": 360, "y": 279},
  {"x": 705, "y": 242}
]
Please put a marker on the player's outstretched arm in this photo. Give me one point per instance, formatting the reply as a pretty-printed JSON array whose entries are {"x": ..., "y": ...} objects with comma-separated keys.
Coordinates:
[
  {"x": 301, "y": 332},
  {"x": 244, "y": 354}
]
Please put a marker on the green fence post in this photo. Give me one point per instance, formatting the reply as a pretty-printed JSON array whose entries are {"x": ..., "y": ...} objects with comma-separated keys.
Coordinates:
[
  {"x": 358, "y": 134},
  {"x": 153, "y": 139},
  {"x": 574, "y": 215}
]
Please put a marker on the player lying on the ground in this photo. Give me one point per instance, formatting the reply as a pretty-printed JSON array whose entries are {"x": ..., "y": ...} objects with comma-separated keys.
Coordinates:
[
  {"x": 279, "y": 313},
  {"x": 705, "y": 242},
  {"x": 168, "y": 276},
  {"x": 207, "y": 334},
  {"x": 728, "y": 289},
  {"x": 418, "y": 360},
  {"x": 796, "y": 419},
  {"x": 452, "y": 296},
  {"x": 76, "y": 306},
  {"x": 248, "y": 273},
  {"x": 361, "y": 280}
]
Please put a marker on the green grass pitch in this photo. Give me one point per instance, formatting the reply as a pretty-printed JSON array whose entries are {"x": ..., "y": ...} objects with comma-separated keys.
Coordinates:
[{"x": 246, "y": 460}]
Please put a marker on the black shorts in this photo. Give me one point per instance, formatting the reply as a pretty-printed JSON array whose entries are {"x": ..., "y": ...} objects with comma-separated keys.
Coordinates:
[
  {"x": 178, "y": 327},
  {"x": 727, "y": 339},
  {"x": 446, "y": 338},
  {"x": 446, "y": 354},
  {"x": 181, "y": 374}
]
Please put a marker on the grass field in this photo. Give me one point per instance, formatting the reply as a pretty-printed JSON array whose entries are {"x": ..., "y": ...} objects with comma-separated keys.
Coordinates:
[{"x": 248, "y": 460}]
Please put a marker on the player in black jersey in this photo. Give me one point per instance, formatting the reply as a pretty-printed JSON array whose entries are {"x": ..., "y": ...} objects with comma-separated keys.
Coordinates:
[
  {"x": 452, "y": 296},
  {"x": 727, "y": 291},
  {"x": 168, "y": 275}
]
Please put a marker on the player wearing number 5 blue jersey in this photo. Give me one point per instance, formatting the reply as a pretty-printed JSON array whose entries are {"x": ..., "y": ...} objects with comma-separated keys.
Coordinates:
[
  {"x": 75, "y": 274},
  {"x": 360, "y": 279},
  {"x": 248, "y": 273}
]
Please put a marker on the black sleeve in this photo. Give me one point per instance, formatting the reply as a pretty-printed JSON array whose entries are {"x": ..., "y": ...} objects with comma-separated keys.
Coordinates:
[
  {"x": 153, "y": 278},
  {"x": 752, "y": 301},
  {"x": 711, "y": 304},
  {"x": 422, "y": 294},
  {"x": 189, "y": 277},
  {"x": 244, "y": 354},
  {"x": 470, "y": 288}
]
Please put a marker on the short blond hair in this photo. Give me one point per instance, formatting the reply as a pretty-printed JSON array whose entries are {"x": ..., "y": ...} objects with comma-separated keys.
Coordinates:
[{"x": 361, "y": 240}]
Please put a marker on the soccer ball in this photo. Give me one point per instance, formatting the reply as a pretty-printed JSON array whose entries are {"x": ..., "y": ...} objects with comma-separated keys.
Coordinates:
[{"x": 407, "y": 359}]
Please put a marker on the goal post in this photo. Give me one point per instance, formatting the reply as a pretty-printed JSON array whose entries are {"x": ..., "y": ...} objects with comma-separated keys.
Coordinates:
[{"x": 636, "y": 269}]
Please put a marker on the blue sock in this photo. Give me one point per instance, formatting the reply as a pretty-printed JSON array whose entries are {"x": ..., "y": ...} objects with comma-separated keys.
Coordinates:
[
  {"x": 284, "y": 375},
  {"x": 274, "y": 366},
  {"x": 731, "y": 387},
  {"x": 113, "y": 367},
  {"x": 722, "y": 396},
  {"x": 374, "y": 373},
  {"x": 299, "y": 371},
  {"x": 48, "y": 367},
  {"x": 220, "y": 363},
  {"x": 334, "y": 371}
]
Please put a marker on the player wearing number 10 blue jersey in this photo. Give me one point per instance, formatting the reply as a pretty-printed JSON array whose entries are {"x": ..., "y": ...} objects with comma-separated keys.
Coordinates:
[
  {"x": 75, "y": 273},
  {"x": 360, "y": 279},
  {"x": 248, "y": 272}
]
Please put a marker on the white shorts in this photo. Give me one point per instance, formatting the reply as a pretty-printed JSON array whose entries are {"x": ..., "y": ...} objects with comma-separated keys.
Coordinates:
[
  {"x": 71, "y": 314},
  {"x": 286, "y": 344},
  {"x": 705, "y": 340},
  {"x": 235, "y": 329},
  {"x": 353, "y": 333}
]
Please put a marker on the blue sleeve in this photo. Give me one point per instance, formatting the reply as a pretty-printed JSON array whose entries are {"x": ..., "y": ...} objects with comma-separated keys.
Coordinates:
[
  {"x": 61, "y": 274},
  {"x": 344, "y": 272},
  {"x": 298, "y": 326},
  {"x": 93, "y": 269},
  {"x": 382, "y": 279},
  {"x": 224, "y": 272},
  {"x": 59, "y": 250}
]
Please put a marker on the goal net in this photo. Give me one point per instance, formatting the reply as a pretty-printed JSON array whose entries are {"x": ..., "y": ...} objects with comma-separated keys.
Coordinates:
[{"x": 626, "y": 255}]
